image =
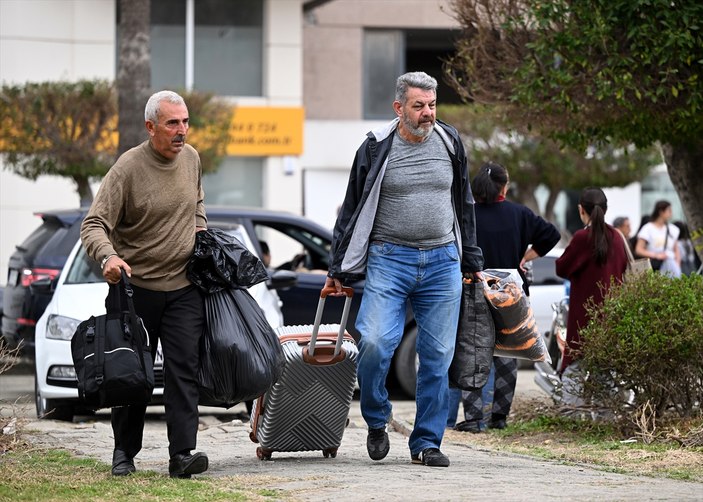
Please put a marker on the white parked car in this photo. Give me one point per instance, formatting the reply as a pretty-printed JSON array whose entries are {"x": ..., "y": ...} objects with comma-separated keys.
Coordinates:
[{"x": 80, "y": 292}]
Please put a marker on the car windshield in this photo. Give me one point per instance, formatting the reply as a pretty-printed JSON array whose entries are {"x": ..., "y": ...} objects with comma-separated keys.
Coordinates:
[{"x": 84, "y": 270}]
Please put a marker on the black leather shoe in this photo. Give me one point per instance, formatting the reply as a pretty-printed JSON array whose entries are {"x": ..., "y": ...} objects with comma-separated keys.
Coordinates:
[
  {"x": 377, "y": 443},
  {"x": 473, "y": 426},
  {"x": 497, "y": 424},
  {"x": 184, "y": 465},
  {"x": 122, "y": 465},
  {"x": 497, "y": 421},
  {"x": 430, "y": 457}
]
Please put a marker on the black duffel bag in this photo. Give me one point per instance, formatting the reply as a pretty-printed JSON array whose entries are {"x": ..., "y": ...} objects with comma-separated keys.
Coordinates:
[{"x": 111, "y": 354}]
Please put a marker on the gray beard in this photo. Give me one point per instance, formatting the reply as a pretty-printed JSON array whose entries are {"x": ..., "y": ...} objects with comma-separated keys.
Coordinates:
[{"x": 416, "y": 131}]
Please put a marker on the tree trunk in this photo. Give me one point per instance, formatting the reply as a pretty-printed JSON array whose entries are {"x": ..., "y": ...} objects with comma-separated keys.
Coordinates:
[
  {"x": 133, "y": 71},
  {"x": 685, "y": 166},
  {"x": 84, "y": 191}
]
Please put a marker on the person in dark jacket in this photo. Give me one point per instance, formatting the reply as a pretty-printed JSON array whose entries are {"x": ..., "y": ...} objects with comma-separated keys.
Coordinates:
[
  {"x": 407, "y": 224},
  {"x": 509, "y": 235},
  {"x": 595, "y": 255}
]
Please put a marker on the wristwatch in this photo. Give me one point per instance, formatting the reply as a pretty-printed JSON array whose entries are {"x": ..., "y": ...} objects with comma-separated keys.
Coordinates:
[{"x": 107, "y": 257}]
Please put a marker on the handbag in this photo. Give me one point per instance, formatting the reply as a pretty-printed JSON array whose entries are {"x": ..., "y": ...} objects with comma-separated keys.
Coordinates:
[
  {"x": 475, "y": 338},
  {"x": 635, "y": 266},
  {"x": 111, "y": 354},
  {"x": 656, "y": 263}
]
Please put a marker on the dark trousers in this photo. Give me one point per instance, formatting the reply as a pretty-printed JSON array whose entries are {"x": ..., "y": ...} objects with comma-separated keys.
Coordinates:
[
  {"x": 177, "y": 318},
  {"x": 503, "y": 391}
]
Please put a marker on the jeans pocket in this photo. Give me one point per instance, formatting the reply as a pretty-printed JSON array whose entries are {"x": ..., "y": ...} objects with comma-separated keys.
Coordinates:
[
  {"x": 451, "y": 251},
  {"x": 379, "y": 248}
]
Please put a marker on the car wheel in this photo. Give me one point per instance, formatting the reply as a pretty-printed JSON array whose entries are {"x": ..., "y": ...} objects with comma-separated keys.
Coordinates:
[
  {"x": 406, "y": 363},
  {"x": 50, "y": 408}
]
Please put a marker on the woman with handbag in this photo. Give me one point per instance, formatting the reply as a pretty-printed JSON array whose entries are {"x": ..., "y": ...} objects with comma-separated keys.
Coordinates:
[
  {"x": 596, "y": 254},
  {"x": 657, "y": 240}
]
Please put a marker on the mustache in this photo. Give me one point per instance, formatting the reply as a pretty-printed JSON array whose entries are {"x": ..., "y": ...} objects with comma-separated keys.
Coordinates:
[{"x": 179, "y": 137}]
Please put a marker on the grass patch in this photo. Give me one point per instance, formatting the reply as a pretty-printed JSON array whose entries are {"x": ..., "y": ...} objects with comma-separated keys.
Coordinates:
[
  {"x": 537, "y": 429},
  {"x": 30, "y": 474}
]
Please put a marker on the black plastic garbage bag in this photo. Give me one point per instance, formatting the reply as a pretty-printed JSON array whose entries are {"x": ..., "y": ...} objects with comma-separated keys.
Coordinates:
[
  {"x": 240, "y": 354},
  {"x": 220, "y": 261},
  {"x": 475, "y": 337},
  {"x": 517, "y": 334}
]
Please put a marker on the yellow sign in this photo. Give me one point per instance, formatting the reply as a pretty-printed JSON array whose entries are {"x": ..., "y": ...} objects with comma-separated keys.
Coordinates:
[{"x": 263, "y": 131}]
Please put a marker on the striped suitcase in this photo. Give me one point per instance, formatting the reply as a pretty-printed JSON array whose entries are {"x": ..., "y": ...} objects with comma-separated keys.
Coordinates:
[{"x": 308, "y": 407}]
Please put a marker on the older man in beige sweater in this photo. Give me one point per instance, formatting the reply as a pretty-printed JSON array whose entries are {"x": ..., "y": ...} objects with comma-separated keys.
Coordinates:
[{"x": 143, "y": 220}]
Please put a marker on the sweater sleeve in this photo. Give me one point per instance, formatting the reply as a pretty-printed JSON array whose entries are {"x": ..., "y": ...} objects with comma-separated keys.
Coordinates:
[
  {"x": 104, "y": 214},
  {"x": 544, "y": 234}
]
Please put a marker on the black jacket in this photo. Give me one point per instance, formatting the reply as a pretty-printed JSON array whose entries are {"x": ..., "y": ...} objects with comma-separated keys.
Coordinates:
[{"x": 356, "y": 216}]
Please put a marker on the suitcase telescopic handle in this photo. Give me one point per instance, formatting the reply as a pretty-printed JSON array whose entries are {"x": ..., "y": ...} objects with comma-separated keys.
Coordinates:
[{"x": 348, "y": 293}]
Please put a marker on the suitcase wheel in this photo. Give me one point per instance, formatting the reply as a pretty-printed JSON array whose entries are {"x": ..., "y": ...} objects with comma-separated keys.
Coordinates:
[
  {"x": 252, "y": 436},
  {"x": 263, "y": 453},
  {"x": 330, "y": 452}
]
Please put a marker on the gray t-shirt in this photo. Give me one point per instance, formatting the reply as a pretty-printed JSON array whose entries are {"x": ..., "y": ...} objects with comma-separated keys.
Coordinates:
[{"x": 415, "y": 204}]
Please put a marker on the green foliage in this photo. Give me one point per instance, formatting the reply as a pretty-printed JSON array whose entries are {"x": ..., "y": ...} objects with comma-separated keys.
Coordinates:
[
  {"x": 532, "y": 159},
  {"x": 627, "y": 70},
  {"x": 70, "y": 129},
  {"x": 647, "y": 337},
  {"x": 59, "y": 128}
]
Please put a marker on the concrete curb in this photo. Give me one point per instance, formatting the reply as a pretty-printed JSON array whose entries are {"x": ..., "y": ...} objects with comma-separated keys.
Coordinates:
[{"x": 401, "y": 426}]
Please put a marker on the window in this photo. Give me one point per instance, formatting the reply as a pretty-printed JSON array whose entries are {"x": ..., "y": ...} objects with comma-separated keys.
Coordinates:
[
  {"x": 657, "y": 186},
  {"x": 237, "y": 182},
  {"x": 390, "y": 53},
  {"x": 293, "y": 248},
  {"x": 228, "y": 46},
  {"x": 84, "y": 270},
  {"x": 383, "y": 63},
  {"x": 224, "y": 55}
]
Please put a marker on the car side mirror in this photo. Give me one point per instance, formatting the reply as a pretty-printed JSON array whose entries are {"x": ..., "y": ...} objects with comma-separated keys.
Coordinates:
[
  {"x": 281, "y": 279},
  {"x": 43, "y": 286}
]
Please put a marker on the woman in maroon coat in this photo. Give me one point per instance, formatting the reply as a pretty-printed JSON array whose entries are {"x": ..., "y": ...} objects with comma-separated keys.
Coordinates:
[{"x": 594, "y": 256}]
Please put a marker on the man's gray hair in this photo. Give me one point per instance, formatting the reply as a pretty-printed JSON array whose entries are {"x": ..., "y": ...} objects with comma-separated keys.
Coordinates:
[
  {"x": 417, "y": 79},
  {"x": 620, "y": 221},
  {"x": 151, "y": 111}
]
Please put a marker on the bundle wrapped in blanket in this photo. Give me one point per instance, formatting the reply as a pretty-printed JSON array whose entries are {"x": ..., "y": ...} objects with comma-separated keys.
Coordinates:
[{"x": 517, "y": 334}]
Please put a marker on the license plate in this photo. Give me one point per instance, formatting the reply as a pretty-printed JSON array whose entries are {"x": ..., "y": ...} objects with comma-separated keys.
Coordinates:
[{"x": 12, "y": 277}]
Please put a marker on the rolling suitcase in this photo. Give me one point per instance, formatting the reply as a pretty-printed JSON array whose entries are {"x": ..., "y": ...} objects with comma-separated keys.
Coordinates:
[{"x": 308, "y": 407}]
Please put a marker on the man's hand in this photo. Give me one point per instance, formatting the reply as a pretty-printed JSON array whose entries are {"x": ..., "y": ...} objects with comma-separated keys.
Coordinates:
[
  {"x": 112, "y": 269},
  {"x": 200, "y": 229},
  {"x": 331, "y": 282},
  {"x": 474, "y": 276}
]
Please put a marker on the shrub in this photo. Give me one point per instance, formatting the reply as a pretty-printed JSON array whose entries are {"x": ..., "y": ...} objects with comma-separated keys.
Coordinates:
[{"x": 647, "y": 338}]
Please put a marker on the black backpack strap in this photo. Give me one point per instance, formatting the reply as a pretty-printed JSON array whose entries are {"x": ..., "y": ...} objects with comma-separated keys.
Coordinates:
[{"x": 134, "y": 327}]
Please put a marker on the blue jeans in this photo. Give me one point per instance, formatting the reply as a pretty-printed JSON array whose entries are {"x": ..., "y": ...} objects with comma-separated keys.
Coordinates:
[{"x": 431, "y": 280}]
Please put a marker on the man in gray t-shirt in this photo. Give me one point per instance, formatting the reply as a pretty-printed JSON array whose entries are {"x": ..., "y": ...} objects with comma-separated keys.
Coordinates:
[
  {"x": 407, "y": 222},
  {"x": 416, "y": 190}
]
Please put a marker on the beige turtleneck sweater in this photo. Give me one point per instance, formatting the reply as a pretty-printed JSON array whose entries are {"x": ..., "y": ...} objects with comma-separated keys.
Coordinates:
[{"x": 146, "y": 211}]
